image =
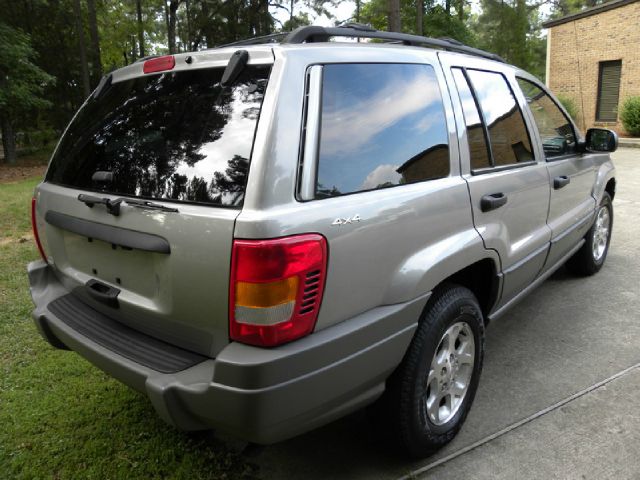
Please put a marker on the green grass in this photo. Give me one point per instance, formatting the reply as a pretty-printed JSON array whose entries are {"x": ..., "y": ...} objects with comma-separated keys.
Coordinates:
[{"x": 60, "y": 417}]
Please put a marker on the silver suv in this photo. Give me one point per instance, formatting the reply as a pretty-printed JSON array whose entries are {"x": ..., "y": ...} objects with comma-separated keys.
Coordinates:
[{"x": 265, "y": 237}]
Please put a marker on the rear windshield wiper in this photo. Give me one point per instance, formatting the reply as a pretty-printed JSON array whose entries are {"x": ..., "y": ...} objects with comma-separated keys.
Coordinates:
[
  {"x": 149, "y": 205},
  {"x": 113, "y": 206}
]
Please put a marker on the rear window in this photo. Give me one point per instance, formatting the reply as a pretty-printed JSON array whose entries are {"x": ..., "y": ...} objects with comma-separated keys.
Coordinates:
[
  {"x": 382, "y": 125},
  {"x": 177, "y": 136}
]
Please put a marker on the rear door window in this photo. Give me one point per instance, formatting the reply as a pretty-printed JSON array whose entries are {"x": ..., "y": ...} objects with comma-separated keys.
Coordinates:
[
  {"x": 382, "y": 125},
  {"x": 176, "y": 136},
  {"x": 510, "y": 143}
]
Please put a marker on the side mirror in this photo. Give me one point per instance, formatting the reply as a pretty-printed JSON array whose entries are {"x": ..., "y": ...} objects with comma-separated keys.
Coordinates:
[{"x": 601, "y": 140}]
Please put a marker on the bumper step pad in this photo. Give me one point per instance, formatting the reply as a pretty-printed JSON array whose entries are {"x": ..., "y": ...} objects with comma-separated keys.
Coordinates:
[{"x": 125, "y": 341}]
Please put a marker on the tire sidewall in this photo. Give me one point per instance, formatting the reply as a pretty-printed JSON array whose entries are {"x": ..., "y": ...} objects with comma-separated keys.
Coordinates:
[
  {"x": 604, "y": 203},
  {"x": 465, "y": 308}
]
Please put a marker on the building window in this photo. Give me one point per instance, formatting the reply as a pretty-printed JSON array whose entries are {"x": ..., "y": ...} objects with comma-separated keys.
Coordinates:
[{"x": 608, "y": 91}]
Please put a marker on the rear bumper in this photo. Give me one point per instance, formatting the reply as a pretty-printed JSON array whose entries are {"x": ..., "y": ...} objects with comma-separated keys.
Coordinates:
[{"x": 260, "y": 395}]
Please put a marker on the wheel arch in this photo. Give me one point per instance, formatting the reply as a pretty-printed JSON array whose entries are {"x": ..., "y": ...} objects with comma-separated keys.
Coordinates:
[{"x": 461, "y": 260}]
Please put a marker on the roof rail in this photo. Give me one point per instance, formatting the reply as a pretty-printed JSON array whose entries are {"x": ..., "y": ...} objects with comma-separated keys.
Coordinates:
[
  {"x": 313, "y": 34},
  {"x": 273, "y": 38}
]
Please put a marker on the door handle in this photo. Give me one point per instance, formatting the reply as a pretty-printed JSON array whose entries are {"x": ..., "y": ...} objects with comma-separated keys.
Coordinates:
[
  {"x": 561, "y": 181},
  {"x": 492, "y": 201}
]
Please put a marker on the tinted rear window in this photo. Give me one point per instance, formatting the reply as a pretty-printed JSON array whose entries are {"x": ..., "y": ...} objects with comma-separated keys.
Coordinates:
[
  {"x": 382, "y": 125},
  {"x": 176, "y": 136}
]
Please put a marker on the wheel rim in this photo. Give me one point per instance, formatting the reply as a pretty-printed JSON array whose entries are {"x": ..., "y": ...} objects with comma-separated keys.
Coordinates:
[
  {"x": 450, "y": 373},
  {"x": 601, "y": 233}
]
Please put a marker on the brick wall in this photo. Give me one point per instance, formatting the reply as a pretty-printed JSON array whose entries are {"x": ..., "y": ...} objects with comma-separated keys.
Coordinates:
[{"x": 578, "y": 46}]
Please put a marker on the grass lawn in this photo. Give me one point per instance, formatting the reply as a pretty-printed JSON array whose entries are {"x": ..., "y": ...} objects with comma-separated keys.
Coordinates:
[{"x": 60, "y": 417}]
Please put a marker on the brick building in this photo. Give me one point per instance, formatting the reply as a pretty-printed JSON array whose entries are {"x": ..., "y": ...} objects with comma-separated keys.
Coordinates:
[{"x": 593, "y": 57}]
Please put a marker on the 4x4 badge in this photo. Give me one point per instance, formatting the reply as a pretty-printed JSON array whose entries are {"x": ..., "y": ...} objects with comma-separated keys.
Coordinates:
[{"x": 343, "y": 221}]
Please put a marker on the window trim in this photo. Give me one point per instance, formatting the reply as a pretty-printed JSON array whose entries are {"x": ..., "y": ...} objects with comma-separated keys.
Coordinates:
[
  {"x": 502, "y": 168},
  {"x": 494, "y": 167},
  {"x": 485, "y": 129},
  {"x": 561, "y": 108},
  {"x": 301, "y": 153}
]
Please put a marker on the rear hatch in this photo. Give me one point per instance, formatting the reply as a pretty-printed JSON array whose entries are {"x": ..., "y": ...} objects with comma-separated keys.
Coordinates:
[{"x": 181, "y": 142}]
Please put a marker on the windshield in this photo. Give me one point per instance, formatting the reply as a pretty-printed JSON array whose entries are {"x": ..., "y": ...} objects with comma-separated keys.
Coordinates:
[{"x": 177, "y": 136}]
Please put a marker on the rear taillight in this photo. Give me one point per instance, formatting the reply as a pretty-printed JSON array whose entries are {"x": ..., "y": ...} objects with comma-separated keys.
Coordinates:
[
  {"x": 276, "y": 288},
  {"x": 34, "y": 227},
  {"x": 159, "y": 64}
]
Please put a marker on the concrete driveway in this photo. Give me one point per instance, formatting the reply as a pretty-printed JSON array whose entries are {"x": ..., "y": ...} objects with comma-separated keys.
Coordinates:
[{"x": 559, "y": 396}]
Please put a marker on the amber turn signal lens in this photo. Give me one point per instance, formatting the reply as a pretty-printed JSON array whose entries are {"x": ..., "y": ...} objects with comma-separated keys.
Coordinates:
[{"x": 261, "y": 295}]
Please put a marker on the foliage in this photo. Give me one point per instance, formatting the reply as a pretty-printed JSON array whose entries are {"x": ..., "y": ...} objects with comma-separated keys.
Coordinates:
[
  {"x": 21, "y": 81},
  {"x": 630, "y": 116},
  {"x": 21, "y": 85},
  {"x": 437, "y": 22},
  {"x": 570, "y": 105},
  {"x": 511, "y": 28}
]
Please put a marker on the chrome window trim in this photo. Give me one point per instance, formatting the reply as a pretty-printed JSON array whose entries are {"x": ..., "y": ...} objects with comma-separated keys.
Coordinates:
[{"x": 311, "y": 135}]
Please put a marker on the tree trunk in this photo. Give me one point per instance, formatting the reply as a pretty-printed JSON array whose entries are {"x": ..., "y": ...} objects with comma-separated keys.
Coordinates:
[
  {"x": 8, "y": 140},
  {"x": 447, "y": 6},
  {"x": 171, "y": 24},
  {"x": 77, "y": 11},
  {"x": 140, "y": 28},
  {"x": 264, "y": 17},
  {"x": 461, "y": 10},
  {"x": 291, "y": 11},
  {"x": 419, "y": 17},
  {"x": 95, "y": 40},
  {"x": 190, "y": 41},
  {"x": 394, "y": 15}
]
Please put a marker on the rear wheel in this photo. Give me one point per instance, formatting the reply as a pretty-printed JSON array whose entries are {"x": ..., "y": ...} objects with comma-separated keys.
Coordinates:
[
  {"x": 591, "y": 256},
  {"x": 431, "y": 392}
]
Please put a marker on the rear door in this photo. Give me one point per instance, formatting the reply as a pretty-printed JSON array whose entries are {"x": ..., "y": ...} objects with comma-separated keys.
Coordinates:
[
  {"x": 181, "y": 142},
  {"x": 571, "y": 174},
  {"x": 509, "y": 188}
]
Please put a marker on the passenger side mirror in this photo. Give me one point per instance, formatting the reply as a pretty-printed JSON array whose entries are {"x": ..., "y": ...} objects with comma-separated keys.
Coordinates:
[{"x": 601, "y": 140}]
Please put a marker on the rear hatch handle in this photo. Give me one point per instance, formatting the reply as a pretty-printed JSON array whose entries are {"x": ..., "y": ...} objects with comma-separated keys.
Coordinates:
[
  {"x": 113, "y": 206},
  {"x": 103, "y": 293}
]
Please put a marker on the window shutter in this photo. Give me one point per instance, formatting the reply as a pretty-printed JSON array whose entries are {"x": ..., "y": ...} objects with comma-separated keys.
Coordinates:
[{"x": 608, "y": 91}]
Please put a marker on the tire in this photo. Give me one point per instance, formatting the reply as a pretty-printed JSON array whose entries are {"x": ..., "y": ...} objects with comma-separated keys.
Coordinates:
[
  {"x": 592, "y": 255},
  {"x": 415, "y": 382}
]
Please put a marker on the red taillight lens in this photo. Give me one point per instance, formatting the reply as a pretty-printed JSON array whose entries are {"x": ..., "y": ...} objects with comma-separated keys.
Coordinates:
[
  {"x": 159, "y": 64},
  {"x": 34, "y": 227},
  {"x": 276, "y": 288}
]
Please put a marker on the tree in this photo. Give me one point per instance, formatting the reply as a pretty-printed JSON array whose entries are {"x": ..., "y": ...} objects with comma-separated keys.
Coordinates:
[
  {"x": 394, "y": 15},
  {"x": 437, "y": 22},
  {"x": 96, "y": 61},
  {"x": 82, "y": 49},
  {"x": 21, "y": 85},
  {"x": 419, "y": 17},
  {"x": 519, "y": 40},
  {"x": 140, "y": 27},
  {"x": 170, "y": 10}
]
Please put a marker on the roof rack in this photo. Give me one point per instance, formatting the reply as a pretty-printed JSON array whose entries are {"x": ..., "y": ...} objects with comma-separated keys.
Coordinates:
[
  {"x": 313, "y": 34},
  {"x": 273, "y": 38}
]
